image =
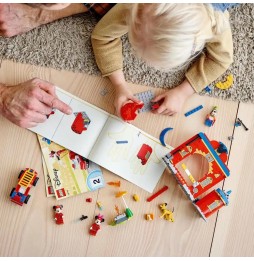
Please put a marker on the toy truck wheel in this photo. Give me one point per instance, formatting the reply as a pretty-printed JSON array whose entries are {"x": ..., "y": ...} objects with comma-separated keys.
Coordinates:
[
  {"x": 21, "y": 172},
  {"x": 27, "y": 198},
  {"x": 12, "y": 191},
  {"x": 35, "y": 181}
]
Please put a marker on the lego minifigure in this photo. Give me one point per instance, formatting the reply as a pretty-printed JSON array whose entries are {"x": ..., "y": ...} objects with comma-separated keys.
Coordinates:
[
  {"x": 58, "y": 214},
  {"x": 210, "y": 118},
  {"x": 96, "y": 225}
]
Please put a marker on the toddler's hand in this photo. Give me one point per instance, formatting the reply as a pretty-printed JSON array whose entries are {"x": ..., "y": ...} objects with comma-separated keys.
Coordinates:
[
  {"x": 122, "y": 96},
  {"x": 173, "y": 100}
]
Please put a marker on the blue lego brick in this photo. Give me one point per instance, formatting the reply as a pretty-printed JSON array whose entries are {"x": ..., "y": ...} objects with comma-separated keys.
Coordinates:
[
  {"x": 121, "y": 141},
  {"x": 193, "y": 111}
]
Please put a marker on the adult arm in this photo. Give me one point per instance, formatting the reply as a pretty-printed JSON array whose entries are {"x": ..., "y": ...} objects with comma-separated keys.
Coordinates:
[{"x": 20, "y": 18}]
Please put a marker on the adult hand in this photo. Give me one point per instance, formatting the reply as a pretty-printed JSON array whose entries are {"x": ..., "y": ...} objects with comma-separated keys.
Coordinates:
[
  {"x": 17, "y": 18},
  {"x": 20, "y": 18},
  {"x": 172, "y": 101},
  {"x": 29, "y": 103}
]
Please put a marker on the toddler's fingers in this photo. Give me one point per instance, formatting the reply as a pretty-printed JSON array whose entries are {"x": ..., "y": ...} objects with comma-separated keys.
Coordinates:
[
  {"x": 162, "y": 109},
  {"x": 158, "y": 98}
]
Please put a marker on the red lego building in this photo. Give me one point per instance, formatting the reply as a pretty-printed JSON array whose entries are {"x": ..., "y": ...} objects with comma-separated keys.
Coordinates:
[{"x": 216, "y": 155}]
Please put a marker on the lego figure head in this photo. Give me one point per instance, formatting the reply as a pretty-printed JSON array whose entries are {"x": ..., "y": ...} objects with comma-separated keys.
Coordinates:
[
  {"x": 99, "y": 219},
  {"x": 214, "y": 111},
  {"x": 58, "y": 209}
]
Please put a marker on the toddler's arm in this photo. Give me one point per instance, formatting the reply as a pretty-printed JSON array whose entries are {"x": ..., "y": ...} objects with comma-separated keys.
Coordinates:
[
  {"x": 107, "y": 47},
  {"x": 106, "y": 40},
  {"x": 214, "y": 63}
]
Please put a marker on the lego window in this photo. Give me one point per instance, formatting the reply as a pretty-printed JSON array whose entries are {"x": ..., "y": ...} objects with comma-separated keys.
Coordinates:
[{"x": 193, "y": 168}]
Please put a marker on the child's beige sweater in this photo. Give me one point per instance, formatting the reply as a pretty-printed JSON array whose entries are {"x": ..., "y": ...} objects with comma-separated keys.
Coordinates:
[{"x": 107, "y": 46}]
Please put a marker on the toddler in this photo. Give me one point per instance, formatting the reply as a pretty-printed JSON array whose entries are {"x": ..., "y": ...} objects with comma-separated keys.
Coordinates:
[{"x": 166, "y": 36}]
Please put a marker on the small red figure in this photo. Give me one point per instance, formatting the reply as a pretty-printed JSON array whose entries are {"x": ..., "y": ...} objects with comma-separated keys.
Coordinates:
[
  {"x": 52, "y": 112},
  {"x": 129, "y": 110},
  {"x": 96, "y": 225},
  {"x": 58, "y": 214}
]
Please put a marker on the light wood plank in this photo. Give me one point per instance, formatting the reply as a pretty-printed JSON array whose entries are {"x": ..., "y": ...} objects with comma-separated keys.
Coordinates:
[
  {"x": 189, "y": 235},
  {"x": 234, "y": 232}
]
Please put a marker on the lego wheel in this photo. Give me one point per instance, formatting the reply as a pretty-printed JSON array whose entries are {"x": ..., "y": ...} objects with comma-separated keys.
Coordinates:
[
  {"x": 21, "y": 172},
  {"x": 27, "y": 198},
  {"x": 12, "y": 191},
  {"x": 35, "y": 181}
]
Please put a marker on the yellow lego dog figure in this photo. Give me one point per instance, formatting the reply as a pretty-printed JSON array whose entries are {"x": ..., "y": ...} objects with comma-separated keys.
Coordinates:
[{"x": 166, "y": 214}]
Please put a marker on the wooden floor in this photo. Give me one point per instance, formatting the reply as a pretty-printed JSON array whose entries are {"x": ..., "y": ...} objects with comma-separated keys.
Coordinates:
[{"x": 31, "y": 231}]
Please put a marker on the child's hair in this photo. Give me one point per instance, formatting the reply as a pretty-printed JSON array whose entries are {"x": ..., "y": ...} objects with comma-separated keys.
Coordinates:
[{"x": 171, "y": 35}]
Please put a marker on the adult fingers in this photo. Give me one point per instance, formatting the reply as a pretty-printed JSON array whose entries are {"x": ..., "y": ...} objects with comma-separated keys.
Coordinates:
[
  {"x": 47, "y": 87},
  {"x": 54, "y": 102},
  {"x": 31, "y": 124},
  {"x": 42, "y": 108},
  {"x": 34, "y": 116}
]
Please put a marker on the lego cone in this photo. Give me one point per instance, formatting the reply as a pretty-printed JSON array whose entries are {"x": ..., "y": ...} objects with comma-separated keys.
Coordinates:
[{"x": 128, "y": 213}]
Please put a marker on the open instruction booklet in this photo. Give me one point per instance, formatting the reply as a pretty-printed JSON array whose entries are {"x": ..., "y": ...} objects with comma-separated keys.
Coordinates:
[{"x": 106, "y": 140}]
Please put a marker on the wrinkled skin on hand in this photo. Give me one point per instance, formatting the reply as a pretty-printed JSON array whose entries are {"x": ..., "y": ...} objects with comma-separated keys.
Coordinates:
[
  {"x": 29, "y": 103},
  {"x": 18, "y": 18}
]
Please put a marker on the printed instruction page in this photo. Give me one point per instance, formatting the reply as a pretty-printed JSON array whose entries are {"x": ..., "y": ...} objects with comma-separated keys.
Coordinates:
[{"x": 130, "y": 153}]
